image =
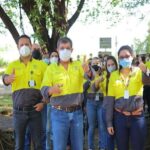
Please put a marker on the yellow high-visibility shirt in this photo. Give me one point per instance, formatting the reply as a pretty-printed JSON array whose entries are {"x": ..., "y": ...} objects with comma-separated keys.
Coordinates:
[
  {"x": 147, "y": 64},
  {"x": 90, "y": 90},
  {"x": 102, "y": 85},
  {"x": 33, "y": 71},
  {"x": 117, "y": 88},
  {"x": 71, "y": 79}
]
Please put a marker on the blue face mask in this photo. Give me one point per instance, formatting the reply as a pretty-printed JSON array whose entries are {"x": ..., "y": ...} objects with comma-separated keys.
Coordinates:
[
  {"x": 111, "y": 68},
  {"x": 46, "y": 60},
  {"x": 125, "y": 62}
]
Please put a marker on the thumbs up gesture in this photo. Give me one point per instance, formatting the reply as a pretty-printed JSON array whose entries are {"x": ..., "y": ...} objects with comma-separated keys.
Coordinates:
[
  {"x": 85, "y": 65},
  {"x": 10, "y": 79}
]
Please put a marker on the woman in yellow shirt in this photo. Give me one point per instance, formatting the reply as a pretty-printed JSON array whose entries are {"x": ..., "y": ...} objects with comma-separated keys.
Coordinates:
[
  {"x": 111, "y": 66},
  {"x": 124, "y": 103}
]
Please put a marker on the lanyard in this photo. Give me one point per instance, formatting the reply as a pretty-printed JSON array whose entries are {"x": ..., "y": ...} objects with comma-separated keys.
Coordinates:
[{"x": 125, "y": 81}]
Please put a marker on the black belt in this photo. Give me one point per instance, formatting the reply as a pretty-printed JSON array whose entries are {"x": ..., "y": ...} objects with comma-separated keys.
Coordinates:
[
  {"x": 29, "y": 108},
  {"x": 92, "y": 96},
  {"x": 67, "y": 109}
]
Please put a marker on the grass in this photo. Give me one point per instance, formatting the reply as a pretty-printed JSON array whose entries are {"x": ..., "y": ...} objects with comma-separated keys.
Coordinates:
[{"x": 5, "y": 104}]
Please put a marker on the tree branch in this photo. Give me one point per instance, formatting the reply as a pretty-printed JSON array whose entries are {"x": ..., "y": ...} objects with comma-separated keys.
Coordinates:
[
  {"x": 9, "y": 24},
  {"x": 37, "y": 20},
  {"x": 72, "y": 20}
]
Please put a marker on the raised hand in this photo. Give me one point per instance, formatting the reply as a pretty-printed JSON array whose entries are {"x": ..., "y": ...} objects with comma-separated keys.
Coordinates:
[
  {"x": 10, "y": 79},
  {"x": 143, "y": 67},
  {"x": 85, "y": 65}
]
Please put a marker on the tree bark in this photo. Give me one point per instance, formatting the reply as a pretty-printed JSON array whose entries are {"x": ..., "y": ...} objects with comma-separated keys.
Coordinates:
[{"x": 38, "y": 19}]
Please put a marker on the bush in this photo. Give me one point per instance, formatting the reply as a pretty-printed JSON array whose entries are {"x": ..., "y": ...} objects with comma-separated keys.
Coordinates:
[{"x": 2, "y": 62}]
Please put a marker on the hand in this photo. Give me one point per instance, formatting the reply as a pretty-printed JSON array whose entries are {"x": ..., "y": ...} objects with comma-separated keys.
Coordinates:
[
  {"x": 11, "y": 78},
  {"x": 85, "y": 65},
  {"x": 143, "y": 67},
  {"x": 137, "y": 112},
  {"x": 97, "y": 82},
  {"x": 110, "y": 130},
  {"x": 39, "y": 106},
  {"x": 55, "y": 89}
]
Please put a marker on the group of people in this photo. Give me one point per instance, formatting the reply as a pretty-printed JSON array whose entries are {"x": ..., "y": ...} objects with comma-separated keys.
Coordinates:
[{"x": 52, "y": 94}]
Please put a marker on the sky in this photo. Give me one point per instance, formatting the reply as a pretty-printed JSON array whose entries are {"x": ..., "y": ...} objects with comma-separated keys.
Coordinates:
[{"x": 86, "y": 37}]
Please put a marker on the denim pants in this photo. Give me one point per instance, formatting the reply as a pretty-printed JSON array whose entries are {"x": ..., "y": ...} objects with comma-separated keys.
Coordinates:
[
  {"x": 130, "y": 129},
  {"x": 27, "y": 143},
  {"x": 110, "y": 138},
  {"x": 94, "y": 113},
  {"x": 62, "y": 123},
  {"x": 48, "y": 128},
  {"x": 32, "y": 119}
]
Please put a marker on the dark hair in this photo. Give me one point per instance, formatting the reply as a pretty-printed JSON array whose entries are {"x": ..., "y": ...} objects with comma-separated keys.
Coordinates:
[
  {"x": 108, "y": 73},
  {"x": 64, "y": 40},
  {"x": 128, "y": 48},
  {"x": 94, "y": 58},
  {"x": 53, "y": 52},
  {"x": 114, "y": 60},
  {"x": 143, "y": 58},
  {"x": 24, "y": 36}
]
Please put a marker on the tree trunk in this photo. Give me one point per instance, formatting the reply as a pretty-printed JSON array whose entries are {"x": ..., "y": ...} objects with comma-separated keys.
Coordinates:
[{"x": 9, "y": 24}]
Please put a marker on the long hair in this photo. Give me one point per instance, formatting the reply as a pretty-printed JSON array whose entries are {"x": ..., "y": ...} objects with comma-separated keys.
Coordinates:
[{"x": 108, "y": 73}]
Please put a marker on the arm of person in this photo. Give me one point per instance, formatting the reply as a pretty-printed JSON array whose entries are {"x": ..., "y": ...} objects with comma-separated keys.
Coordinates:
[
  {"x": 9, "y": 75},
  {"x": 47, "y": 88},
  {"x": 145, "y": 74},
  {"x": 109, "y": 102}
]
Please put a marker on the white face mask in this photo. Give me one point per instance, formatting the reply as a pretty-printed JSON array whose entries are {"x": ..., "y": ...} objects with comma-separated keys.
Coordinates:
[
  {"x": 65, "y": 55},
  {"x": 25, "y": 51},
  {"x": 54, "y": 60}
]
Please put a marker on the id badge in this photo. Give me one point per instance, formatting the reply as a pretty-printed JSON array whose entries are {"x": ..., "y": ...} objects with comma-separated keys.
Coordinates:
[
  {"x": 31, "y": 83},
  {"x": 97, "y": 97},
  {"x": 126, "y": 94}
]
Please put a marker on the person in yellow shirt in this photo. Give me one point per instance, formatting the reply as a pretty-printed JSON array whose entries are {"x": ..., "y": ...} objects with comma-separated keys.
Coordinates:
[
  {"x": 25, "y": 76},
  {"x": 94, "y": 109},
  {"x": 124, "y": 103},
  {"x": 63, "y": 84},
  {"x": 102, "y": 85},
  {"x": 146, "y": 91}
]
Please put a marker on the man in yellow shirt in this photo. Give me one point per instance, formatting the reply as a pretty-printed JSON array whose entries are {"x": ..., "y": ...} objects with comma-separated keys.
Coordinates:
[
  {"x": 25, "y": 76},
  {"x": 63, "y": 82}
]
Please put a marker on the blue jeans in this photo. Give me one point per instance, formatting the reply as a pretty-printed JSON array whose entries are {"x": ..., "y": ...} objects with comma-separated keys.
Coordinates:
[
  {"x": 48, "y": 128},
  {"x": 130, "y": 128},
  {"x": 27, "y": 143},
  {"x": 94, "y": 113},
  {"x": 33, "y": 120},
  {"x": 62, "y": 123},
  {"x": 110, "y": 138}
]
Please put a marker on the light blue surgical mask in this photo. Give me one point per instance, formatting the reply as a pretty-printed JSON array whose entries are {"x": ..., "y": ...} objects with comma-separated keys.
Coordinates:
[
  {"x": 65, "y": 55},
  {"x": 46, "y": 60},
  {"x": 111, "y": 68},
  {"x": 125, "y": 62},
  {"x": 54, "y": 60}
]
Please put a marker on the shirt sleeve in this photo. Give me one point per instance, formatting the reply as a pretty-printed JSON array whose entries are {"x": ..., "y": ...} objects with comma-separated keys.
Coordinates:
[
  {"x": 109, "y": 102},
  {"x": 46, "y": 83},
  {"x": 7, "y": 72},
  {"x": 43, "y": 67},
  {"x": 9, "y": 69},
  {"x": 111, "y": 86}
]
